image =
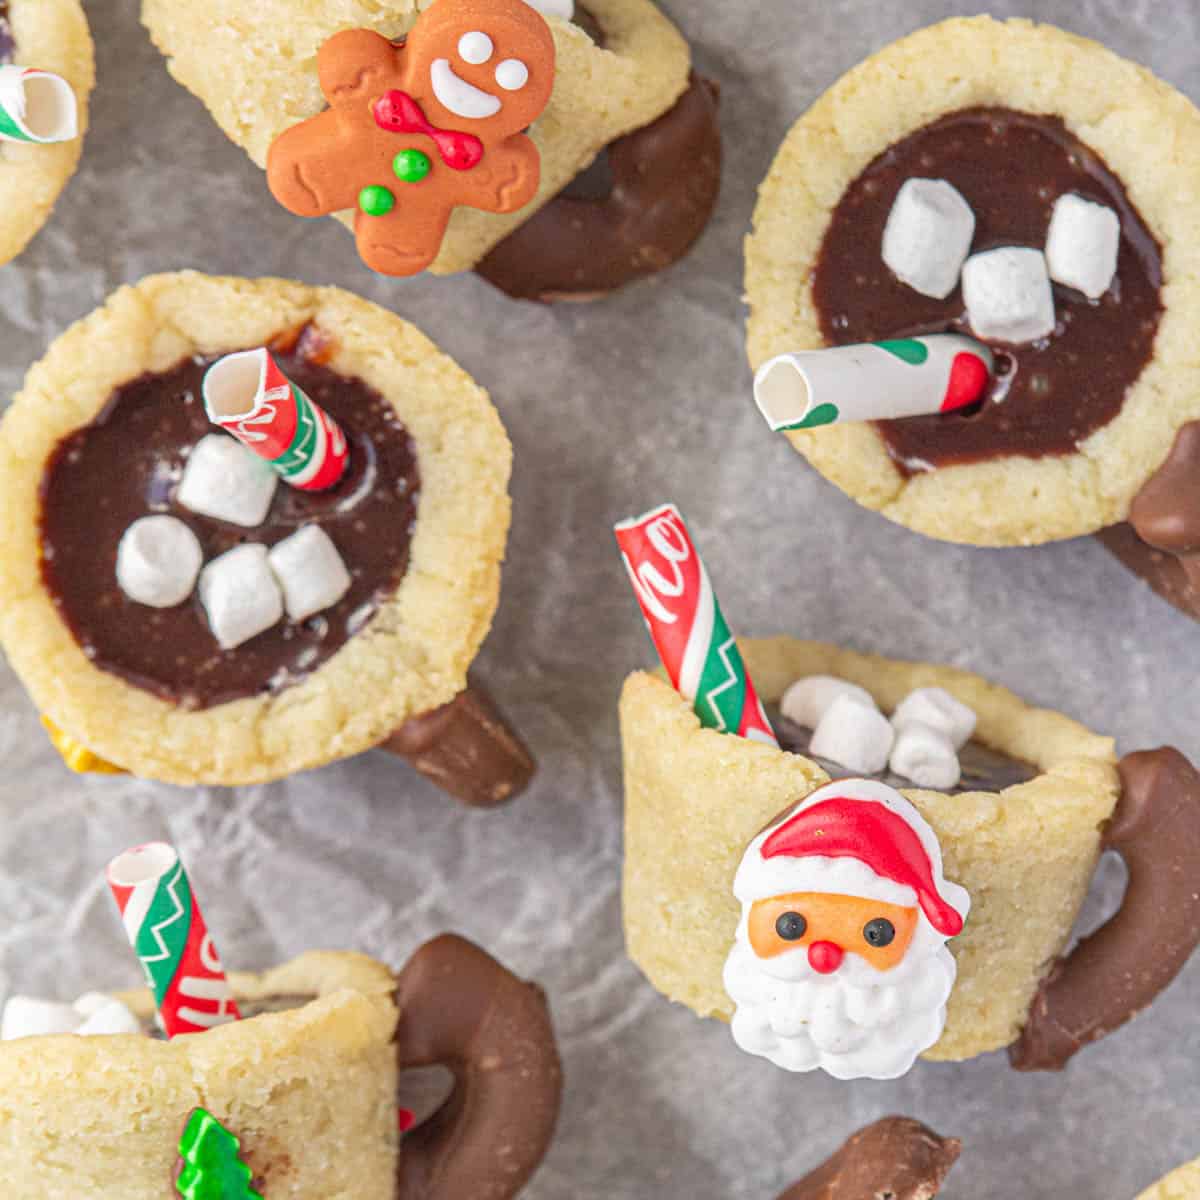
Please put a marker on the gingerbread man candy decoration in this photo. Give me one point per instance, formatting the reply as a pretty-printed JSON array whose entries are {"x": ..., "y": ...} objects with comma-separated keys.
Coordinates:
[{"x": 416, "y": 129}]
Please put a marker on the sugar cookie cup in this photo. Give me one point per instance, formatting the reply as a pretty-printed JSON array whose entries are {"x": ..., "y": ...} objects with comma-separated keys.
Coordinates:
[
  {"x": 306, "y": 1081},
  {"x": 1150, "y": 141},
  {"x": 412, "y": 655},
  {"x": 694, "y": 799},
  {"x": 253, "y": 65},
  {"x": 51, "y": 35}
]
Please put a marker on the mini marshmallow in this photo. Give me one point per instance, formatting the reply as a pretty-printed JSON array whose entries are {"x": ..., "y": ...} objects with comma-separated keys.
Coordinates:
[
  {"x": 928, "y": 236},
  {"x": 808, "y": 699},
  {"x": 926, "y": 756},
  {"x": 26, "y": 1016},
  {"x": 158, "y": 559},
  {"x": 310, "y": 571},
  {"x": 1008, "y": 295},
  {"x": 1082, "y": 245},
  {"x": 854, "y": 736},
  {"x": 565, "y": 9},
  {"x": 240, "y": 595},
  {"x": 111, "y": 1017},
  {"x": 91, "y": 1002},
  {"x": 934, "y": 706},
  {"x": 223, "y": 479}
]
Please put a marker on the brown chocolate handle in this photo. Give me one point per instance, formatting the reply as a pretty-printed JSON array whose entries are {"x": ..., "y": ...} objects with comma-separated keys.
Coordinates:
[
  {"x": 896, "y": 1157},
  {"x": 461, "y": 1009},
  {"x": 467, "y": 748},
  {"x": 1116, "y": 972},
  {"x": 665, "y": 181}
]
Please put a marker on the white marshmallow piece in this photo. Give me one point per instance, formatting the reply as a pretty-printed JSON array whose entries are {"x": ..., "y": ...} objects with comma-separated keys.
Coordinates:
[
  {"x": 111, "y": 1017},
  {"x": 563, "y": 9},
  {"x": 854, "y": 736},
  {"x": 1082, "y": 245},
  {"x": 158, "y": 559},
  {"x": 240, "y": 595},
  {"x": 808, "y": 699},
  {"x": 926, "y": 756},
  {"x": 91, "y": 1002},
  {"x": 1008, "y": 295},
  {"x": 310, "y": 571},
  {"x": 928, "y": 236},
  {"x": 934, "y": 706},
  {"x": 224, "y": 480},
  {"x": 26, "y": 1016}
]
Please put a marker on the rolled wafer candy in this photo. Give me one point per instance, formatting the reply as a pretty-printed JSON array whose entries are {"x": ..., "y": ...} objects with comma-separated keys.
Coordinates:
[
  {"x": 687, "y": 626},
  {"x": 36, "y": 106},
  {"x": 248, "y": 395},
  {"x": 168, "y": 934},
  {"x": 875, "y": 381}
]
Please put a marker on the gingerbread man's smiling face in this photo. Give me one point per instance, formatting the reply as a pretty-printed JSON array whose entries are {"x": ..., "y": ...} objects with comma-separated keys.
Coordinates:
[{"x": 486, "y": 68}]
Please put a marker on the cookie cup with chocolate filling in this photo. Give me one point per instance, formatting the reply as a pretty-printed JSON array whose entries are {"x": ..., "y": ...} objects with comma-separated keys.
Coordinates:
[
  {"x": 621, "y": 66},
  {"x": 104, "y": 669},
  {"x": 695, "y": 798},
  {"x": 306, "y": 1081},
  {"x": 833, "y": 181},
  {"x": 53, "y": 36}
]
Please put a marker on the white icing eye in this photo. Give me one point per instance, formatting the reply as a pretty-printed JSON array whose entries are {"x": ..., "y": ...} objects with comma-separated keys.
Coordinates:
[
  {"x": 512, "y": 74},
  {"x": 475, "y": 47}
]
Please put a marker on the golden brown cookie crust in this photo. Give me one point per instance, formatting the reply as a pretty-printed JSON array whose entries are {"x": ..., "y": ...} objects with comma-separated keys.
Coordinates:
[
  {"x": 695, "y": 798},
  {"x": 412, "y": 656},
  {"x": 53, "y": 35},
  {"x": 310, "y": 1092},
  {"x": 1182, "y": 1184},
  {"x": 254, "y": 66},
  {"x": 1147, "y": 132}
]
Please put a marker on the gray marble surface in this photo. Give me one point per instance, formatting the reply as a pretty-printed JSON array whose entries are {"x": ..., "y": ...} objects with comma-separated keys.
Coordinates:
[{"x": 612, "y": 408}]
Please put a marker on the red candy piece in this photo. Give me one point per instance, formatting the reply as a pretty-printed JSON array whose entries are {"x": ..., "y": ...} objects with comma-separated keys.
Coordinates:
[
  {"x": 968, "y": 378},
  {"x": 406, "y": 1119}
]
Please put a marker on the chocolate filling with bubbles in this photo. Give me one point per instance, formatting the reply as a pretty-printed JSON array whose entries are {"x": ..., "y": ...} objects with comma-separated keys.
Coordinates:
[
  {"x": 1010, "y": 167},
  {"x": 128, "y": 462}
]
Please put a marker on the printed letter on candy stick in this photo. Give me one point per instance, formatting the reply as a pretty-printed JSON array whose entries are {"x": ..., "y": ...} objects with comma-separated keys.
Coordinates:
[
  {"x": 168, "y": 934},
  {"x": 248, "y": 395},
  {"x": 909, "y": 377},
  {"x": 686, "y": 624}
]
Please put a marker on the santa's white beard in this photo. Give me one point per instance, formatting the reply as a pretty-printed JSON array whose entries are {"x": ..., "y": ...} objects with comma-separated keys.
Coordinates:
[{"x": 856, "y": 1022}]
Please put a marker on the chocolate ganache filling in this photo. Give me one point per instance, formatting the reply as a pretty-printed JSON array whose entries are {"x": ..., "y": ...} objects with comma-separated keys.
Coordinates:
[
  {"x": 127, "y": 464},
  {"x": 983, "y": 769},
  {"x": 7, "y": 47},
  {"x": 1010, "y": 167}
]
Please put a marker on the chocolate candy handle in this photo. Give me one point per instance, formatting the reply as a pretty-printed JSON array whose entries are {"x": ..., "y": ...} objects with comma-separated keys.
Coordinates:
[
  {"x": 1116, "y": 972},
  {"x": 461, "y": 1009},
  {"x": 467, "y": 748},
  {"x": 895, "y": 1157}
]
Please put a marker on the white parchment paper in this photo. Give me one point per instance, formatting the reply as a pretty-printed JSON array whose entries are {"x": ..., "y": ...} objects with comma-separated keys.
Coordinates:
[{"x": 612, "y": 407}]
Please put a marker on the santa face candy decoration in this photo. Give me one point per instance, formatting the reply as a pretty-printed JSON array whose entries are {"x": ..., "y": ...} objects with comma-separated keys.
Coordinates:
[
  {"x": 46, "y": 77},
  {"x": 258, "y": 474},
  {"x": 983, "y": 194},
  {"x": 459, "y": 135},
  {"x": 840, "y": 960}
]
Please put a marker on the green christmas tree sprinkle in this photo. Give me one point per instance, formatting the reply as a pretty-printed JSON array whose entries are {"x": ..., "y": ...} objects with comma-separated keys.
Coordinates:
[{"x": 212, "y": 1168}]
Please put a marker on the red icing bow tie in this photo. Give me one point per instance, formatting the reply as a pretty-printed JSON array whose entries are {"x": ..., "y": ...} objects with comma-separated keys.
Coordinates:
[{"x": 398, "y": 112}]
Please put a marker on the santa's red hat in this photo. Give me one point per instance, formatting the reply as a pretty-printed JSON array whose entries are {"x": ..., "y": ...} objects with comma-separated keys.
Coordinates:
[{"x": 855, "y": 837}]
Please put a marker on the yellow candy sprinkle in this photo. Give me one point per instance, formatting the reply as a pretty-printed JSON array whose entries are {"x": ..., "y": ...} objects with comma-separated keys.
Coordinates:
[{"x": 76, "y": 755}]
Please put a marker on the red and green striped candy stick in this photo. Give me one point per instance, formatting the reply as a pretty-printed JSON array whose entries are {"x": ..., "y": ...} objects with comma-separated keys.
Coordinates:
[
  {"x": 687, "y": 626},
  {"x": 168, "y": 934},
  {"x": 248, "y": 395}
]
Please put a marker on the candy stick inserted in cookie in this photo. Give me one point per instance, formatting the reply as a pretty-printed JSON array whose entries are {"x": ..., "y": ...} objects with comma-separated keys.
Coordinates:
[
  {"x": 875, "y": 381},
  {"x": 249, "y": 396},
  {"x": 36, "y": 106},
  {"x": 687, "y": 626},
  {"x": 168, "y": 934}
]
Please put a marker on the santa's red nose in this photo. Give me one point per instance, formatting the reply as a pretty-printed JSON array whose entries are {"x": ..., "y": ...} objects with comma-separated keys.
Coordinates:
[{"x": 825, "y": 957}]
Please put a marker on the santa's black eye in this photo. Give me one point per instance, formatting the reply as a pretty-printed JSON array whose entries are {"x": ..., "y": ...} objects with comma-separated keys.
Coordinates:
[
  {"x": 879, "y": 932},
  {"x": 791, "y": 926}
]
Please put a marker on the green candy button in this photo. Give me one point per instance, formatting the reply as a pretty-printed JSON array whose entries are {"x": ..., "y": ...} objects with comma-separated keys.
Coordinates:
[
  {"x": 376, "y": 201},
  {"x": 411, "y": 166}
]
